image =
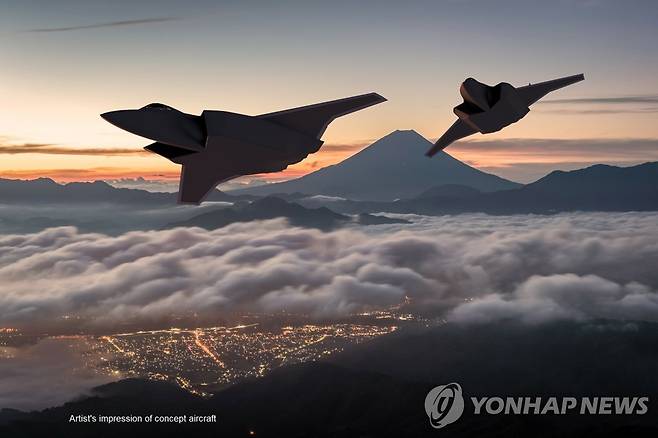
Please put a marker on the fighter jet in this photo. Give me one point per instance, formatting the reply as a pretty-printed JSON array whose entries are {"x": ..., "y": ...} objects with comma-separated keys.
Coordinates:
[
  {"x": 489, "y": 109},
  {"x": 218, "y": 145}
]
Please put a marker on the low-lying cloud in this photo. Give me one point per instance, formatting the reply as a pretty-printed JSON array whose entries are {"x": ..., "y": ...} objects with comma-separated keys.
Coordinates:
[
  {"x": 564, "y": 296},
  {"x": 467, "y": 267},
  {"x": 45, "y": 374}
]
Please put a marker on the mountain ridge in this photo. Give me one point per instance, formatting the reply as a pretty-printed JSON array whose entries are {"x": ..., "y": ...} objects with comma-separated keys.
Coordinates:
[
  {"x": 595, "y": 188},
  {"x": 46, "y": 190}
]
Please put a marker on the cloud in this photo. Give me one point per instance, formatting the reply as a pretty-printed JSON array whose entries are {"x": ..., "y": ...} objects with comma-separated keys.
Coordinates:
[
  {"x": 50, "y": 149},
  {"x": 346, "y": 147},
  {"x": 605, "y": 105},
  {"x": 563, "y": 149},
  {"x": 121, "y": 23},
  {"x": 605, "y": 100},
  {"x": 648, "y": 110},
  {"x": 140, "y": 183},
  {"x": 46, "y": 374},
  {"x": 564, "y": 297},
  {"x": 91, "y": 174},
  {"x": 324, "y": 198},
  {"x": 571, "y": 266}
]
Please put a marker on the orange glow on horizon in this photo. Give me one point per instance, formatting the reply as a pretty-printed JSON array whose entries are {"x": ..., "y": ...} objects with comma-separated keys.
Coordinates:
[
  {"x": 91, "y": 174},
  {"x": 330, "y": 154}
]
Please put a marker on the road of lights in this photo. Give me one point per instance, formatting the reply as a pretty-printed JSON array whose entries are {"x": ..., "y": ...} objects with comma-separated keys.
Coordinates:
[{"x": 205, "y": 349}]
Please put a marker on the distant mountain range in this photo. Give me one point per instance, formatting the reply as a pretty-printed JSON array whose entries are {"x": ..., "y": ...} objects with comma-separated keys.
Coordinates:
[
  {"x": 596, "y": 188},
  {"x": 46, "y": 191},
  {"x": 393, "y": 167},
  {"x": 37, "y": 204}
]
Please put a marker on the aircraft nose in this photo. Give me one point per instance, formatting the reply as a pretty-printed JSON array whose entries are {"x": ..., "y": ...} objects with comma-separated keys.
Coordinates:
[
  {"x": 119, "y": 118},
  {"x": 169, "y": 127}
]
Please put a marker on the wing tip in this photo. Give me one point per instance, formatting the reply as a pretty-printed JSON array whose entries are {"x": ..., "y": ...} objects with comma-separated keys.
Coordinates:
[
  {"x": 579, "y": 77},
  {"x": 373, "y": 98},
  {"x": 378, "y": 97}
]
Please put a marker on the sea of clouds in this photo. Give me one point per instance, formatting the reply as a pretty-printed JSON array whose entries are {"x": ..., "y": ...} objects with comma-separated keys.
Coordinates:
[{"x": 467, "y": 268}]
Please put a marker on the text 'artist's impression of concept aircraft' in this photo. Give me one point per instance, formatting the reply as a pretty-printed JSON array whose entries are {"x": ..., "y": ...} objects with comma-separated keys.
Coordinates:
[
  {"x": 489, "y": 109},
  {"x": 219, "y": 145}
]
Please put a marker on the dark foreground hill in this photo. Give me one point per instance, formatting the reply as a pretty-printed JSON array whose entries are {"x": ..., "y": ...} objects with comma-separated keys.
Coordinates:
[
  {"x": 272, "y": 207},
  {"x": 378, "y": 389}
]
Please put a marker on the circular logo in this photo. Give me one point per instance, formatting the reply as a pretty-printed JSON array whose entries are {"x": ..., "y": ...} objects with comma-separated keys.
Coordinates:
[{"x": 444, "y": 405}]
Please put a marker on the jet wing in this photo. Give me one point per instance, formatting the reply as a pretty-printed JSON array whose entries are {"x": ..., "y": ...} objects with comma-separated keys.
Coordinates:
[
  {"x": 314, "y": 119},
  {"x": 532, "y": 93},
  {"x": 459, "y": 129},
  {"x": 197, "y": 182}
]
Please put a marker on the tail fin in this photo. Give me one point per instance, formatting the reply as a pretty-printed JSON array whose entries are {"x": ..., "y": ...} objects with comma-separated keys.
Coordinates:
[{"x": 314, "y": 119}]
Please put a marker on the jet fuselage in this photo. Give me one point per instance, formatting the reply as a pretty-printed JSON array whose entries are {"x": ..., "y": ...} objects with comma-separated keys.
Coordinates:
[
  {"x": 217, "y": 146},
  {"x": 220, "y": 139},
  {"x": 489, "y": 109}
]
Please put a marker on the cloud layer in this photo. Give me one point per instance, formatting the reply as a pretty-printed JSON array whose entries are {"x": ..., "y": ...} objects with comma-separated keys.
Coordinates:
[{"x": 470, "y": 267}]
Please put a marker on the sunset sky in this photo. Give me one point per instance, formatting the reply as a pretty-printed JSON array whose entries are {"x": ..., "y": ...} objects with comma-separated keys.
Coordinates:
[{"x": 65, "y": 62}]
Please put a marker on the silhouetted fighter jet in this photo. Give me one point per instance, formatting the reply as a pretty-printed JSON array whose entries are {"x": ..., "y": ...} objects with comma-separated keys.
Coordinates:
[
  {"x": 219, "y": 145},
  {"x": 489, "y": 109}
]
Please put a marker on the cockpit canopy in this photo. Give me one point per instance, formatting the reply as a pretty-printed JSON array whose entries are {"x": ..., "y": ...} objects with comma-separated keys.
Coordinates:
[{"x": 160, "y": 106}]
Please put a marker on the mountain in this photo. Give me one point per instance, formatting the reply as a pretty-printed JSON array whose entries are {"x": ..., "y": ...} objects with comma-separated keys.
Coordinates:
[
  {"x": 272, "y": 207},
  {"x": 394, "y": 167},
  {"x": 449, "y": 191},
  {"x": 595, "y": 188},
  {"x": 601, "y": 184},
  {"x": 47, "y": 191},
  {"x": 98, "y": 207}
]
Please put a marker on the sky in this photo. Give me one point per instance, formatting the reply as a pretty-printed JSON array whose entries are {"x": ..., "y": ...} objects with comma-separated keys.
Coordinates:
[{"x": 66, "y": 62}]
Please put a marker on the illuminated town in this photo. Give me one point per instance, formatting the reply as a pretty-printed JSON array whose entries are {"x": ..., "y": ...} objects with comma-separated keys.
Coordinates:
[{"x": 206, "y": 359}]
